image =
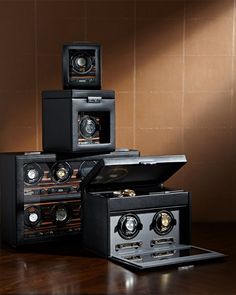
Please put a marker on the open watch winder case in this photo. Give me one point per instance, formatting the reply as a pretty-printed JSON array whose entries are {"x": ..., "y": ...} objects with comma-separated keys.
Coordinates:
[{"x": 131, "y": 218}]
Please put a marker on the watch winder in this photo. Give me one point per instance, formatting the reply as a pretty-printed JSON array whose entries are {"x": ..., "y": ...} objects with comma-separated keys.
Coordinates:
[
  {"x": 79, "y": 121},
  {"x": 131, "y": 218},
  {"x": 81, "y": 66}
]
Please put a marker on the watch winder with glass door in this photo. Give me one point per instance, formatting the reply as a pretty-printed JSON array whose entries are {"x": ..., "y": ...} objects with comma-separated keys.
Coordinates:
[
  {"x": 81, "y": 66},
  {"x": 41, "y": 197},
  {"x": 81, "y": 121}
]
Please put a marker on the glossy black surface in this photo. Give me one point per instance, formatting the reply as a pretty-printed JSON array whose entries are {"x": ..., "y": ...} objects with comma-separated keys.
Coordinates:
[{"x": 68, "y": 269}]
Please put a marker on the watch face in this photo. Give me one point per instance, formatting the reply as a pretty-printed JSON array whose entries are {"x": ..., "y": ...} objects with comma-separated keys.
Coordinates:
[
  {"x": 60, "y": 214},
  {"x": 61, "y": 172},
  {"x": 163, "y": 222},
  {"x": 82, "y": 63},
  {"x": 88, "y": 126},
  {"x": 33, "y": 173},
  {"x": 129, "y": 226},
  {"x": 32, "y": 216}
]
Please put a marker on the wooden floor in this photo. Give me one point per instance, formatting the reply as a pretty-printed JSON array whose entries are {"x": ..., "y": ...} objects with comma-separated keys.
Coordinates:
[{"x": 71, "y": 270}]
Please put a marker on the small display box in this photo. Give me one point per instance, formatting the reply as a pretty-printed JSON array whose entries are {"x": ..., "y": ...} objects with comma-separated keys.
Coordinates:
[
  {"x": 81, "y": 121},
  {"x": 131, "y": 218},
  {"x": 81, "y": 66}
]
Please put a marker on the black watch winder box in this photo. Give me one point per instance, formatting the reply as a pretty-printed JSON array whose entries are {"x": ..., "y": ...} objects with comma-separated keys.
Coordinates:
[
  {"x": 81, "y": 66},
  {"x": 131, "y": 218},
  {"x": 40, "y": 195},
  {"x": 79, "y": 121}
]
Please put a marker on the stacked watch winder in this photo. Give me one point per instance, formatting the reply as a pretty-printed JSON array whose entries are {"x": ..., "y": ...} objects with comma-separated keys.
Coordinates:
[
  {"x": 40, "y": 192},
  {"x": 80, "y": 118},
  {"x": 114, "y": 201},
  {"x": 41, "y": 195}
]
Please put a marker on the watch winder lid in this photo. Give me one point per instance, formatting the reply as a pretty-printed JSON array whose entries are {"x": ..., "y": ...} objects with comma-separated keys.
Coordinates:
[
  {"x": 80, "y": 94},
  {"x": 132, "y": 172}
]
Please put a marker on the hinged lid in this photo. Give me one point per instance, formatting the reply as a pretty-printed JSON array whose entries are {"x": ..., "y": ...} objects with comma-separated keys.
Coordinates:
[
  {"x": 132, "y": 172},
  {"x": 73, "y": 93}
]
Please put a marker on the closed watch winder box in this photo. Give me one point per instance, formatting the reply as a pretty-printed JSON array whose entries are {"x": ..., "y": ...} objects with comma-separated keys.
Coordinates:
[
  {"x": 40, "y": 199},
  {"x": 81, "y": 66},
  {"x": 79, "y": 121}
]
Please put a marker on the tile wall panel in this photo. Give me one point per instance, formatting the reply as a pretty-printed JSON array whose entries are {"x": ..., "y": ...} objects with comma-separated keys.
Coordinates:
[
  {"x": 18, "y": 80},
  {"x": 166, "y": 115},
  {"x": 207, "y": 110},
  {"x": 159, "y": 141}
]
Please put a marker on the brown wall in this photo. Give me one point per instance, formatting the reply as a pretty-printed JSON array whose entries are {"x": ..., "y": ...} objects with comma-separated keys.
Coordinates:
[{"x": 171, "y": 63}]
